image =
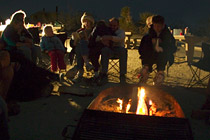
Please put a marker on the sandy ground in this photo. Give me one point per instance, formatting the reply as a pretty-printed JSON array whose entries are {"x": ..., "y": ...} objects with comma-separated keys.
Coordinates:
[{"x": 45, "y": 118}]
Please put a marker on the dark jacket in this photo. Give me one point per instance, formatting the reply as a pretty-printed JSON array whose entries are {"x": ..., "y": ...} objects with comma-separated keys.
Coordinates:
[
  {"x": 146, "y": 48},
  {"x": 99, "y": 30}
]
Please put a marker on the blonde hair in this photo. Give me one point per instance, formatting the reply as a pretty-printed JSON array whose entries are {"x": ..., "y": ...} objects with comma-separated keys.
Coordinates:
[
  {"x": 149, "y": 21},
  {"x": 85, "y": 16},
  {"x": 45, "y": 28}
]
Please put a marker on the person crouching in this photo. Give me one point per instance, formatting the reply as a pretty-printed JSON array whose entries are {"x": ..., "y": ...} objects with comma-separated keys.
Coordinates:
[{"x": 157, "y": 47}]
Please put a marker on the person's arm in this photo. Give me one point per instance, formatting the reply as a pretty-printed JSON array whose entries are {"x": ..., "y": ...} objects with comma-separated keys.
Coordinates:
[
  {"x": 19, "y": 44},
  {"x": 10, "y": 36},
  {"x": 120, "y": 37},
  {"x": 27, "y": 35}
]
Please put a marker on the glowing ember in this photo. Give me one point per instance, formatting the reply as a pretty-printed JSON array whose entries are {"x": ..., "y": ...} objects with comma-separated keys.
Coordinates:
[{"x": 142, "y": 107}]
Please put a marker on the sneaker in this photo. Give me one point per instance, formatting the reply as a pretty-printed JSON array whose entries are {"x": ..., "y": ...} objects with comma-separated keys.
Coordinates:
[
  {"x": 78, "y": 77},
  {"x": 89, "y": 67},
  {"x": 159, "y": 78},
  {"x": 143, "y": 76}
]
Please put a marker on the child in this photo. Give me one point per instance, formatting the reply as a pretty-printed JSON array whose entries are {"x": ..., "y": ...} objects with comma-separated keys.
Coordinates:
[
  {"x": 157, "y": 47},
  {"x": 52, "y": 45}
]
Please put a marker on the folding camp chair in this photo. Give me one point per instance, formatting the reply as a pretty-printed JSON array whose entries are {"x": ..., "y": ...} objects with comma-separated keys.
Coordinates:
[
  {"x": 114, "y": 63},
  {"x": 201, "y": 69}
]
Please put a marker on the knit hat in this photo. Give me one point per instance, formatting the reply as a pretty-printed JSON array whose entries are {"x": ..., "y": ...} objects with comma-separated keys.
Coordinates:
[{"x": 87, "y": 17}]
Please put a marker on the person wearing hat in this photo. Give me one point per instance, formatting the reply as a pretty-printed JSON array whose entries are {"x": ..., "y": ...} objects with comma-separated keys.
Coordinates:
[{"x": 81, "y": 41}]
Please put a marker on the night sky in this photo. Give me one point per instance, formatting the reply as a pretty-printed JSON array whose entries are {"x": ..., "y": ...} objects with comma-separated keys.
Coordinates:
[{"x": 187, "y": 11}]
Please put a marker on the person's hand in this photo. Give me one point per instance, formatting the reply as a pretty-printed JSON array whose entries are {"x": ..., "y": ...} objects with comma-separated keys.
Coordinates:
[
  {"x": 106, "y": 37},
  {"x": 158, "y": 49},
  {"x": 154, "y": 40}
]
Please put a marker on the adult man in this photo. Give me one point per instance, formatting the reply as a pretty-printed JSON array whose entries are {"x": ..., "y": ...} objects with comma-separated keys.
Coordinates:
[
  {"x": 117, "y": 49},
  {"x": 157, "y": 47}
]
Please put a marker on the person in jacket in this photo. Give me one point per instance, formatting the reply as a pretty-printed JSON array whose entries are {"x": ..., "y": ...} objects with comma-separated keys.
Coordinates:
[
  {"x": 53, "y": 46},
  {"x": 81, "y": 42},
  {"x": 157, "y": 47},
  {"x": 19, "y": 39},
  {"x": 95, "y": 44}
]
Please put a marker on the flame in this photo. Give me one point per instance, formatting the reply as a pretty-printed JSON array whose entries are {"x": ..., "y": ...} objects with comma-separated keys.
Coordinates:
[
  {"x": 120, "y": 101},
  {"x": 150, "y": 102},
  {"x": 142, "y": 107},
  {"x": 150, "y": 109},
  {"x": 128, "y": 106}
]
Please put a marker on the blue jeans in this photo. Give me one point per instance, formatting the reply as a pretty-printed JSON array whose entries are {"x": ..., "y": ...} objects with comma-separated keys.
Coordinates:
[
  {"x": 81, "y": 50},
  {"x": 119, "y": 52},
  {"x": 4, "y": 132},
  {"x": 31, "y": 53}
]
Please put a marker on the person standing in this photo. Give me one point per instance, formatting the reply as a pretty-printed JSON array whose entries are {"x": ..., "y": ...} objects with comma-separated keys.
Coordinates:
[{"x": 52, "y": 45}]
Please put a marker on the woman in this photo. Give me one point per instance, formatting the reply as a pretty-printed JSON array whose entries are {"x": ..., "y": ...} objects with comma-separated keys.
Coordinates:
[
  {"x": 19, "y": 39},
  {"x": 29, "y": 80}
]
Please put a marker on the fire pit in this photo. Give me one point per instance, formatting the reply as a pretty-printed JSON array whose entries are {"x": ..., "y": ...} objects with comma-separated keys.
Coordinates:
[
  {"x": 129, "y": 112},
  {"x": 145, "y": 100}
]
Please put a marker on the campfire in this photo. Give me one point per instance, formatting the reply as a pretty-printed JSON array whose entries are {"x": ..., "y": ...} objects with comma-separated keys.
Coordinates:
[{"x": 137, "y": 100}]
